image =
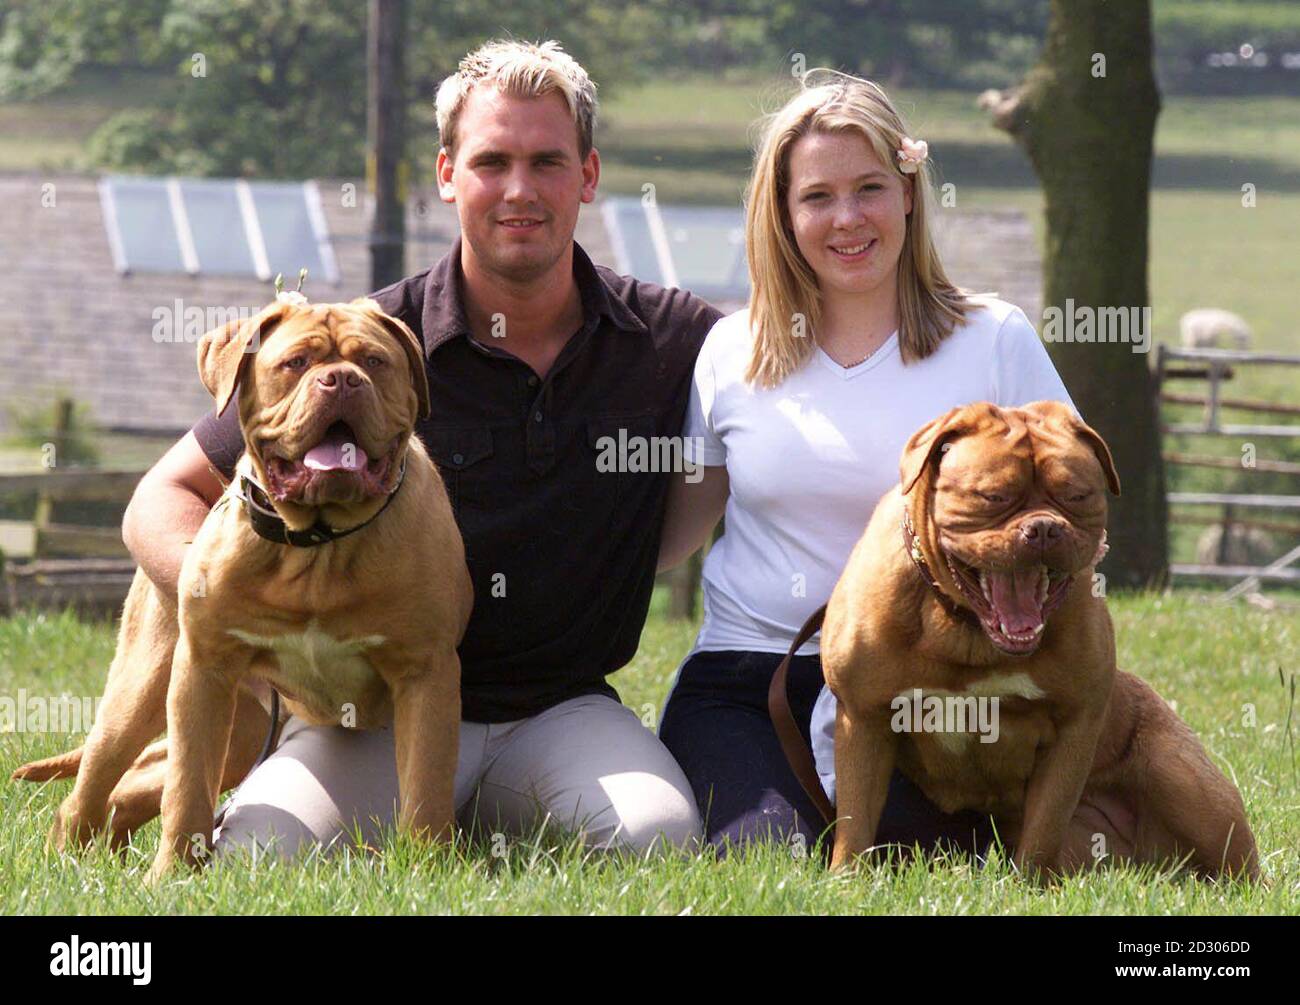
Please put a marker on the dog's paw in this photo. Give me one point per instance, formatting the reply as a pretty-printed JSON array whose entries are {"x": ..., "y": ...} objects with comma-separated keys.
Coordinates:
[
  {"x": 73, "y": 827},
  {"x": 161, "y": 868},
  {"x": 1043, "y": 872}
]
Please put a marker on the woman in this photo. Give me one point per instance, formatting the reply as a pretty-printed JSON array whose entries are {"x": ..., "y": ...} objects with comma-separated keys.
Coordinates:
[{"x": 853, "y": 339}]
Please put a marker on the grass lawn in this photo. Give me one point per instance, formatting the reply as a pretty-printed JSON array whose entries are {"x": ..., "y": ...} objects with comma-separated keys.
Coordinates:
[{"x": 1215, "y": 663}]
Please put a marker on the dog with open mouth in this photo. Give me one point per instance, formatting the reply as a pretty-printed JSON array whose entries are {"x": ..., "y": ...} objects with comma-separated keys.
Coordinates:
[
  {"x": 332, "y": 568},
  {"x": 975, "y": 579}
]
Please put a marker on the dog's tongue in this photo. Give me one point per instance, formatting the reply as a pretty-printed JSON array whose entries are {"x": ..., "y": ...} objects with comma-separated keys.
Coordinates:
[
  {"x": 1015, "y": 597},
  {"x": 337, "y": 452}
]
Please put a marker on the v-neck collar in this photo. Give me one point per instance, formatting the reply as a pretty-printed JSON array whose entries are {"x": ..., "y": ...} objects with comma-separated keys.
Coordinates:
[{"x": 887, "y": 349}]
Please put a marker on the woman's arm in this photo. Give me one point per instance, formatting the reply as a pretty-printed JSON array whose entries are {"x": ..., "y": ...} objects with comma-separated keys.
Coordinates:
[{"x": 694, "y": 509}]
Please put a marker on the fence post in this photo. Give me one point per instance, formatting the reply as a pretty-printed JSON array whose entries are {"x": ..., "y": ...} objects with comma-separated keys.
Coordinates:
[
  {"x": 1212, "y": 402},
  {"x": 44, "y": 515},
  {"x": 1225, "y": 534}
]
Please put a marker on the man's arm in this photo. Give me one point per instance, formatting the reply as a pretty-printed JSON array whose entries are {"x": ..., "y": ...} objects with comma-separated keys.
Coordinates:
[
  {"x": 167, "y": 509},
  {"x": 694, "y": 509}
]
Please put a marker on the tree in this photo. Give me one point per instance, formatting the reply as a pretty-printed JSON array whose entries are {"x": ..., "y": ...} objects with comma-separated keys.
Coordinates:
[
  {"x": 1086, "y": 116},
  {"x": 279, "y": 90},
  {"x": 43, "y": 43},
  {"x": 910, "y": 42},
  {"x": 273, "y": 88}
]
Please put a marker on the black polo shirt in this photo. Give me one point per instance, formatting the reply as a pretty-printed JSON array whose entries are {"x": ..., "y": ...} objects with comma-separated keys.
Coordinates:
[{"x": 562, "y": 554}]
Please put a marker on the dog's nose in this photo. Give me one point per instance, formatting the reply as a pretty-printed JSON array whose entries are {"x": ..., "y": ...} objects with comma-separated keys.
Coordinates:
[
  {"x": 1041, "y": 531},
  {"x": 339, "y": 380}
]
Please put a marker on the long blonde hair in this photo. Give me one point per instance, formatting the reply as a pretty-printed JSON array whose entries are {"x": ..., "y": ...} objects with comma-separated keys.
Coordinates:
[{"x": 783, "y": 287}]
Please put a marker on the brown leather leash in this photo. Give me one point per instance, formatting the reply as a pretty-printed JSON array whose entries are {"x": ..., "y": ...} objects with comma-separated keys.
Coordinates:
[{"x": 796, "y": 749}]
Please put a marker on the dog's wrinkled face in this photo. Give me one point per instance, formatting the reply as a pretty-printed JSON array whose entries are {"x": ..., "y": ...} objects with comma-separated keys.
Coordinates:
[
  {"x": 329, "y": 396},
  {"x": 1016, "y": 509}
]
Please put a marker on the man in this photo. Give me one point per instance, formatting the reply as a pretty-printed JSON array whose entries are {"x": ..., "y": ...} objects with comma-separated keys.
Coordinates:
[{"x": 533, "y": 356}]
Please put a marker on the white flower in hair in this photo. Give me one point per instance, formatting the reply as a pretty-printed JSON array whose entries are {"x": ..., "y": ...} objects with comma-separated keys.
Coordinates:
[
  {"x": 294, "y": 298},
  {"x": 912, "y": 155}
]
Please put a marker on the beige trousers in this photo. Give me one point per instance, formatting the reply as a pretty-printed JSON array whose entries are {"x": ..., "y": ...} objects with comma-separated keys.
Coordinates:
[{"x": 587, "y": 764}]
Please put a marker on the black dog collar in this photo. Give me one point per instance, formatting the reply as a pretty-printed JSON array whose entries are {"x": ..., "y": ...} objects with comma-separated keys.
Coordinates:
[{"x": 268, "y": 524}]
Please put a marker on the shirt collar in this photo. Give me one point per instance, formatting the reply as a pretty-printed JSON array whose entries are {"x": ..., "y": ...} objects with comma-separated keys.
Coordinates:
[{"x": 444, "y": 305}]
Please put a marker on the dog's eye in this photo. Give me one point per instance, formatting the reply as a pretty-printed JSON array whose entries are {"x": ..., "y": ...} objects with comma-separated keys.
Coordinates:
[
  {"x": 990, "y": 497},
  {"x": 374, "y": 361},
  {"x": 1080, "y": 497},
  {"x": 295, "y": 362}
]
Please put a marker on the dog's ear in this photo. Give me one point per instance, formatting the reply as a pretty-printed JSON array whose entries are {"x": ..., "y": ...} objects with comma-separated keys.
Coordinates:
[
  {"x": 410, "y": 344},
  {"x": 224, "y": 352},
  {"x": 1093, "y": 438},
  {"x": 927, "y": 443}
]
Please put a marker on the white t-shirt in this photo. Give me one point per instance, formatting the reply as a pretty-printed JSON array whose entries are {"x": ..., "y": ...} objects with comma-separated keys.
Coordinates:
[{"x": 809, "y": 459}]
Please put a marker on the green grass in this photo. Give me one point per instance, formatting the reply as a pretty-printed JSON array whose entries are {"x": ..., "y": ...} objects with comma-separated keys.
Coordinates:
[{"x": 1214, "y": 662}]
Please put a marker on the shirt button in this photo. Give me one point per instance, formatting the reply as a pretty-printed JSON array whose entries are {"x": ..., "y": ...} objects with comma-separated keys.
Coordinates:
[
  {"x": 457, "y": 458},
  {"x": 532, "y": 381},
  {"x": 537, "y": 416}
]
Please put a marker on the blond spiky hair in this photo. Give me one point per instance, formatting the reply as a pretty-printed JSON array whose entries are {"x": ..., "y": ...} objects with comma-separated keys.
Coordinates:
[{"x": 521, "y": 70}]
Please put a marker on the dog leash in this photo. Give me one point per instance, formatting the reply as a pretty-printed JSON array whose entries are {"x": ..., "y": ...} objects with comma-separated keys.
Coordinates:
[
  {"x": 272, "y": 738},
  {"x": 793, "y": 744}
]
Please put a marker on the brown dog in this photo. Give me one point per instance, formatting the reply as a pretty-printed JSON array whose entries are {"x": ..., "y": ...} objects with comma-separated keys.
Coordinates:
[
  {"x": 356, "y": 623},
  {"x": 974, "y": 579}
]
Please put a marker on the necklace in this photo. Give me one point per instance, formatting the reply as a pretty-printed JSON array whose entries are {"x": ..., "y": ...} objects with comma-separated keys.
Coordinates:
[{"x": 858, "y": 362}]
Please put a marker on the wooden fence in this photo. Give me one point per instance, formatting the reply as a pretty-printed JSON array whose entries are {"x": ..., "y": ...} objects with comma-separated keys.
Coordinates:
[
  {"x": 53, "y": 565},
  {"x": 1216, "y": 366}
]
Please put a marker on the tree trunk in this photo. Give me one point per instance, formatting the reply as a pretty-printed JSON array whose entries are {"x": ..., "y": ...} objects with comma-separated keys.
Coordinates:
[
  {"x": 1090, "y": 138},
  {"x": 385, "y": 154}
]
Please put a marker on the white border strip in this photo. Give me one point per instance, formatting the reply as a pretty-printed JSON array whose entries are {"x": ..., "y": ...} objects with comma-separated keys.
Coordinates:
[
  {"x": 659, "y": 240},
  {"x": 253, "y": 229},
  {"x": 320, "y": 227},
  {"x": 181, "y": 221},
  {"x": 108, "y": 205}
]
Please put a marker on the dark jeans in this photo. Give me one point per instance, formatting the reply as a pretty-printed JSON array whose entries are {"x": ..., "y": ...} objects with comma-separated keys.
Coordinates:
[{"x": 717, "y": 726}]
